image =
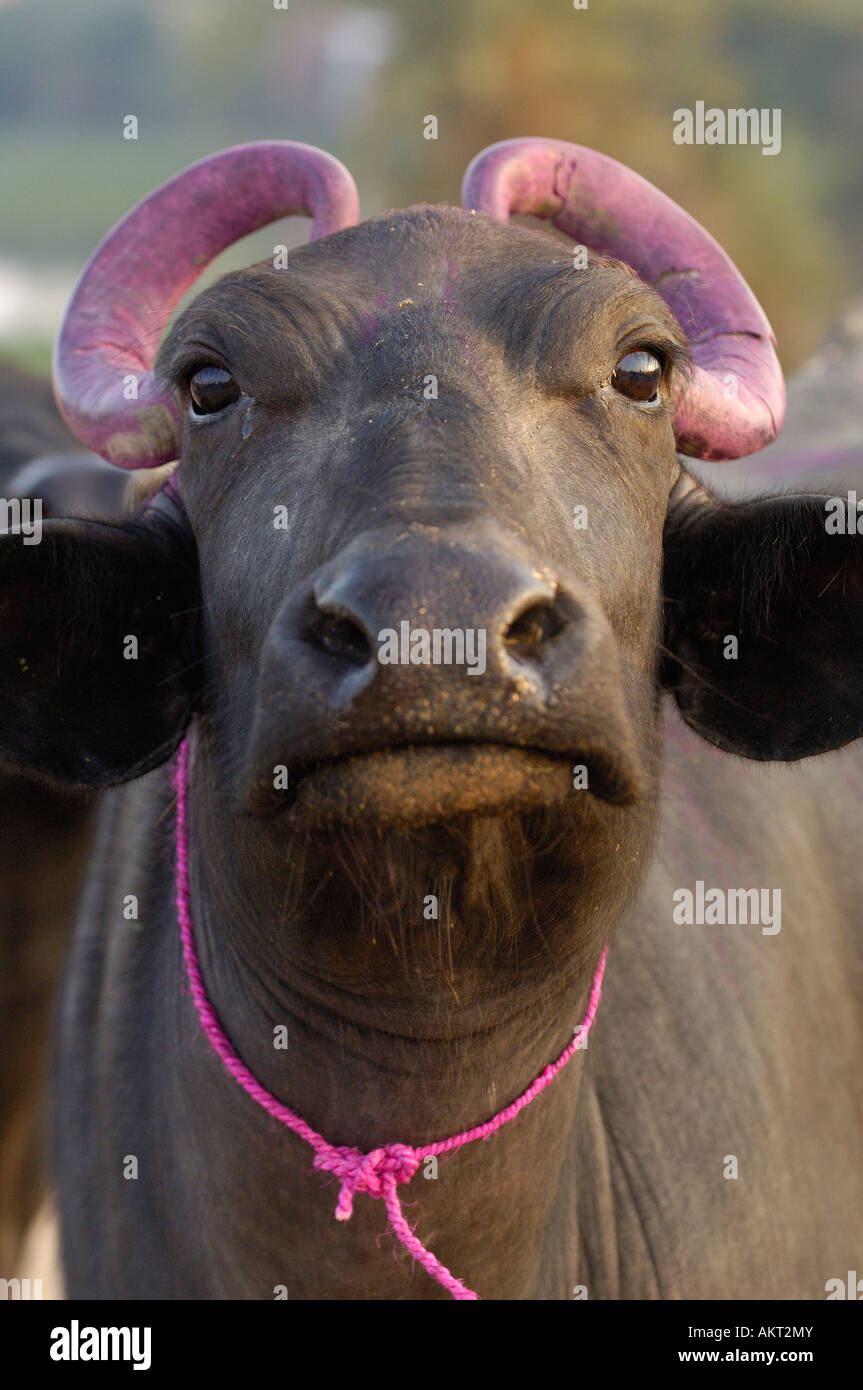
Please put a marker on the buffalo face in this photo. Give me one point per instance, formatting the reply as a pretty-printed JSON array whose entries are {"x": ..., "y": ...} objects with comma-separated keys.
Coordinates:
[{"x": 428, "y": 511}]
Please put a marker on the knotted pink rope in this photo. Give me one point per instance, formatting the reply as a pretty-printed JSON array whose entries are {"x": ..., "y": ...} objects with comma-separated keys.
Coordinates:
[{"x": 379, "y": 1172}]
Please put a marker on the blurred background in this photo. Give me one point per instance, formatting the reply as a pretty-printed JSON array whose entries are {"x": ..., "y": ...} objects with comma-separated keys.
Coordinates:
[{"x": 358, "y": 79}]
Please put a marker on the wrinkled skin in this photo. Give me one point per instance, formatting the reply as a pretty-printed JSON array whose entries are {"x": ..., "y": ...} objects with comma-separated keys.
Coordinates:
[{"x": 411, "y": 781}]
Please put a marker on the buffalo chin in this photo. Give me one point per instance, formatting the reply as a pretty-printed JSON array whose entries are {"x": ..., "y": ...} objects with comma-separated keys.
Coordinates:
[{"x": 423, "y": 784}]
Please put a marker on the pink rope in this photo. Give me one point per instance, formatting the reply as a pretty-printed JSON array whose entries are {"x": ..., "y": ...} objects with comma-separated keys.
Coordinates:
[{"x": 379, "y": 1172}]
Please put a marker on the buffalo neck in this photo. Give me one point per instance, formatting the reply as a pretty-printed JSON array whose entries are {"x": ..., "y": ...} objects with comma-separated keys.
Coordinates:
[
  {"x": 398, "y": 988},
  {"x": 379, "y": 983},
  {"x": 389, "y": 988}
]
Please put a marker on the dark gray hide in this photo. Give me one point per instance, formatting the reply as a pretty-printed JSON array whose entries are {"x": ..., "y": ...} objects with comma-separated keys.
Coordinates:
[
  {"x": 44, "y": 830},
  {"x": 713, "y": 1043}
]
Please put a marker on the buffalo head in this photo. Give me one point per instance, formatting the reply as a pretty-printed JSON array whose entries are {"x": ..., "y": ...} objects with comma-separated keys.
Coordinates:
[{"x": 429, "y": 552}]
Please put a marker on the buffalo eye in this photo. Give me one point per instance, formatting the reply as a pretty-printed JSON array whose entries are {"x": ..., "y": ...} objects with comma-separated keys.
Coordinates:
[
  {"x": 211, "y": 390},
  {"x": 638, "y": 375}
]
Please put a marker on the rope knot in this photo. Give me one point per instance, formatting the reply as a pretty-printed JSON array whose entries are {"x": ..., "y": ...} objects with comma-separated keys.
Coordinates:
[{"x": 374, "y": 1173}]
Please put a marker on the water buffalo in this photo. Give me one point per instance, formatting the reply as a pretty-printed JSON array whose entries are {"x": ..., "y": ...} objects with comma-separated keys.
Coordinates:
[
  {"x": 383, "y": 883},
  {"x": 44, "y": 829}
]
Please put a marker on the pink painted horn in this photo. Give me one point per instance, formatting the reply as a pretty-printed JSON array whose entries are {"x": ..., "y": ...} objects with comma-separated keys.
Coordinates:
[
  {"x": 735, "y": 403},
  {"x": 110, "y": 335}
]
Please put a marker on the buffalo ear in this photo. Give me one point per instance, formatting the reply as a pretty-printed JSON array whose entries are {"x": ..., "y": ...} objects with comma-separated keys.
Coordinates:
[
  {"x": 99, "y": 648},
  {"x": 764, "y": 624}
]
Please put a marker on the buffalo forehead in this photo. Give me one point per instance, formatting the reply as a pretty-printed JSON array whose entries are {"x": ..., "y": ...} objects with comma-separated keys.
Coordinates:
[{"x": 413, "y": 280}]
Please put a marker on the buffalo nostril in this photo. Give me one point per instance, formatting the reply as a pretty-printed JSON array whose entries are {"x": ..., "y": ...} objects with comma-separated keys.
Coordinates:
[
  {"x": 538, "y": 624},
  {"x": 340, "y": 637}
]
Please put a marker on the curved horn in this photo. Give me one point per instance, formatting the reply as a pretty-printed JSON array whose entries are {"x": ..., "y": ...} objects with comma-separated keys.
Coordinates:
[
  {"x": 736, "y": 402},
  {"x": 119, "y": 307}
]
